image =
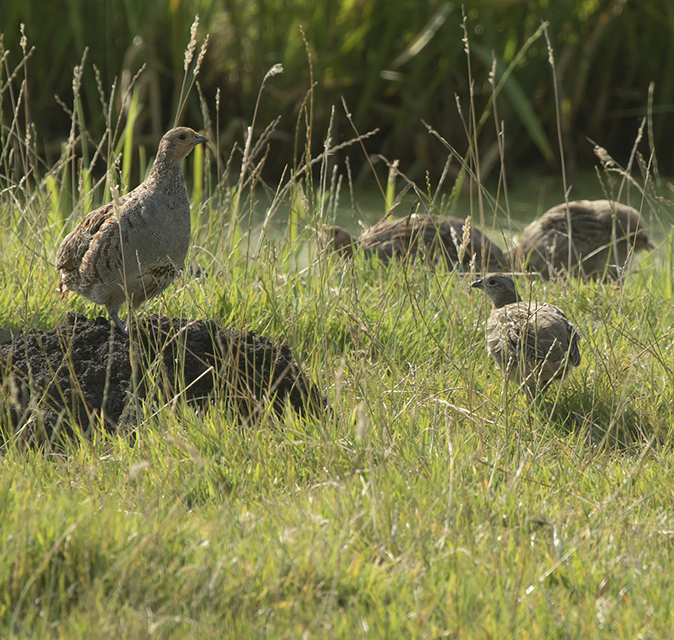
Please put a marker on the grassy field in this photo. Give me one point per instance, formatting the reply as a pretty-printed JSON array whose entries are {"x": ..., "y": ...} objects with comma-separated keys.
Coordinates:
[{"x": 434, "y": 500}]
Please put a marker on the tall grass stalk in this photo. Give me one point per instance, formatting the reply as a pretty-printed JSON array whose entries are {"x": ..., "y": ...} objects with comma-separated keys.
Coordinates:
[
  {"x": 128, "y": 142},
  {"x": 551, "y": 59}
]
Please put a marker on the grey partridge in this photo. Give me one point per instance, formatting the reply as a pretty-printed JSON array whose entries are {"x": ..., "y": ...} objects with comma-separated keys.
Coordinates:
[
  {"x": 440, "y": 235},
  {"x": 532, "y": 342},
  {"x": 133, "y": 249},
  {"x": 604, "y": 234}
]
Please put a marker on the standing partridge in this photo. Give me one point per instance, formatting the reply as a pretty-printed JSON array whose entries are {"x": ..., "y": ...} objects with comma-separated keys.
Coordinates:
[
  {"x": 440, "y": 235},
  {"x": 532, "y": 342},
  {"x": 133, "y": 249},
  {"x": 604, "y": 235}
]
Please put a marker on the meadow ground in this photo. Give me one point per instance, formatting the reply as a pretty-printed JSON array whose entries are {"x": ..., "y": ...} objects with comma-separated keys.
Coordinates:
[{"x": 434, "y": 500}]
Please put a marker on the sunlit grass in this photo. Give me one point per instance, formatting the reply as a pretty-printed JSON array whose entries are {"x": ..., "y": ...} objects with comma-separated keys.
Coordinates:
[{"x": 433, "y": 501}]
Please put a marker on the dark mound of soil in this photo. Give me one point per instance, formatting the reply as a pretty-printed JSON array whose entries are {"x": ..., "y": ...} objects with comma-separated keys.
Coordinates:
[{"x": 80, "y": 370}]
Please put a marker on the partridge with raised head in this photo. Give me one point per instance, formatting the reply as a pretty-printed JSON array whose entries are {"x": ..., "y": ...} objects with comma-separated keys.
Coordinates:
[
  {"x": 532, "y": 342},
  {"x": 134, "y": 248},
  {"x": 402, "y": 237},
  {"x": 604, "y": 234}
]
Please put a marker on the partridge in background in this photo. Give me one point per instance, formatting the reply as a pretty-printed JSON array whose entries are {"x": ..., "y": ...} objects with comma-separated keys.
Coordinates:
[
  {"x": 603, "y": 233},
  {"x": 532, "y": 342},
  {"x": 440, "y": 235},
  {"x": 135, "y": 249}
]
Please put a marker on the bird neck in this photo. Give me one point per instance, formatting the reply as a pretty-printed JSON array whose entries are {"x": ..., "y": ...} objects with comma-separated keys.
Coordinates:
[
  {"x": 507, "y": 298},
  {"x": 166, "y": 174}
]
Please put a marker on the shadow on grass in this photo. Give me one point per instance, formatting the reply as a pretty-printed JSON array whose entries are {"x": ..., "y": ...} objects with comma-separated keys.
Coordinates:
[{"x": 601, "y": 421}]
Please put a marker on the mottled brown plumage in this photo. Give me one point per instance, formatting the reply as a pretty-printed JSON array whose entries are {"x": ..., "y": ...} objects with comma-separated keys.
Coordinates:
[
  {"x": 532, "y": 342},
  {"x": 604, "y": 235},
  {"x": 440, "y": 235},
  {"x": 135, "y": 248}
]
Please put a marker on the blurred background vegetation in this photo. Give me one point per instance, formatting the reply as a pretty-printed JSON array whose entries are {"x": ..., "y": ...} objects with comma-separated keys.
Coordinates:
[{"x": 396, "y": 63}]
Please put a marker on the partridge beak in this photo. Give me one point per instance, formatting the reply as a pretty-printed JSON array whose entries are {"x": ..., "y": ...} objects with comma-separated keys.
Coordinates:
[
  {"x": 478, "y": 284},
  {"x": 198, "y": 139}
]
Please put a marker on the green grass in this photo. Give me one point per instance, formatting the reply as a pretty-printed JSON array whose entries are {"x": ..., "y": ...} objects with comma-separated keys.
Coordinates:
[
  {"x": 434, "y": 501},
  {"x": 395, "y": 62},
  {"x": 418, "y": 509}
]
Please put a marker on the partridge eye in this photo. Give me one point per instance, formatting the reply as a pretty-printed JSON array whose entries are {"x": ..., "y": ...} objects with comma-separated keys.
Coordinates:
[
  {"x": 490, "y": 281},
  {"x": 182, "y": 136}
]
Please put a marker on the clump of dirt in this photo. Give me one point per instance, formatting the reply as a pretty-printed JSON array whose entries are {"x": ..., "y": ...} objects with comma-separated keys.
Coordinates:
[{"x": 82, "y": 369}]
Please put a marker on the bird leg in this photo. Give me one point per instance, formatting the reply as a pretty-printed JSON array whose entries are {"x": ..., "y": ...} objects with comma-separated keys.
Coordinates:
[{"x": 117, "y": 321}]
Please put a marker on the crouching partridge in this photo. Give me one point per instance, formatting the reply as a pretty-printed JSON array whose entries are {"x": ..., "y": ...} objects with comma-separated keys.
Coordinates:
[
  {"x": 532, "y": 342},
  {"x": 133, "y": 249},
  {"x": 604, "y": 235},
  {"x": 403, "y": 237}
]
